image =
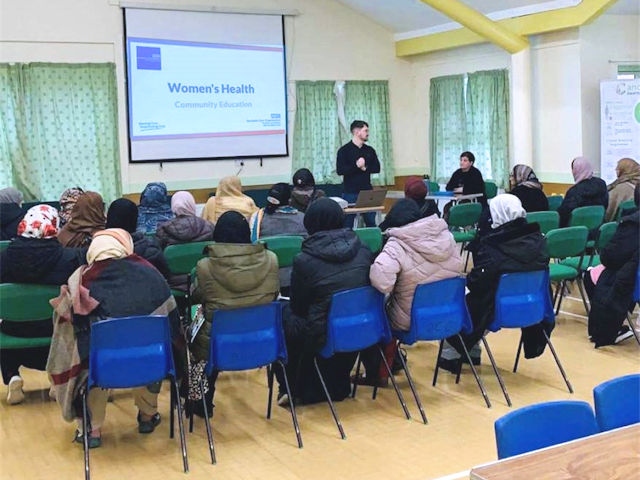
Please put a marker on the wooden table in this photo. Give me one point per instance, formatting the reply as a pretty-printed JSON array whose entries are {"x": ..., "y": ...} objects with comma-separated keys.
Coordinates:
[
  {"x": 359, "y": 211},
  {"x": 605, "y": 456}
]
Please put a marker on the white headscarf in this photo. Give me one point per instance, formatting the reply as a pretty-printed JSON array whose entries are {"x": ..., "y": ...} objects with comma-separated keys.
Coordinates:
[{"x": 505, "y": 208}]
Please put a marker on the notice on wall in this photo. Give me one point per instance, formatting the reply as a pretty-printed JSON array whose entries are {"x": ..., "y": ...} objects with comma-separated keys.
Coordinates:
[{"x": 619, "y": 124}]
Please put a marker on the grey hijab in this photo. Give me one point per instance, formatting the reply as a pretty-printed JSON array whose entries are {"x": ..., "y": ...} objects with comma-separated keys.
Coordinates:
[{"x": 10, "y": 195}]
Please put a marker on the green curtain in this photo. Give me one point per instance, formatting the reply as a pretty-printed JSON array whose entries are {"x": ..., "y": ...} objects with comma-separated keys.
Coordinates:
[
  {"x": 488, "y": 123},
  {"x": 369, "y": 101},
  {"x": 447, "y": 136},
  {"x": 59, "y": 129}
]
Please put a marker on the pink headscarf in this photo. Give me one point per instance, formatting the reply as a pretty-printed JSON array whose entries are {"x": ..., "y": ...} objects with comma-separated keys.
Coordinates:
[
  {"x": 183, "y": 203},
  {"x": 581, "y": 169}
]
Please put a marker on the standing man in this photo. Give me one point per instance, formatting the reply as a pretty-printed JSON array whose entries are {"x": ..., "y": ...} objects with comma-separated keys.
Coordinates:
[{"x": 356, "y": 162}]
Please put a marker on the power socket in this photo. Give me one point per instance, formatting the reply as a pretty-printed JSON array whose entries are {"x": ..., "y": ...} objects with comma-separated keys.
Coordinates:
[{"x": 239, "y": 163}]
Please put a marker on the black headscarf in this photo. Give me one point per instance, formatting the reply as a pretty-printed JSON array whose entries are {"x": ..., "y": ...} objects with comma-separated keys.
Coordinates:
[
  {"x": 403, "y": 212},
  {"x": 303, "y": 178},
  {"x": 123, "y": 213},
  {"x": 323, "y": 214},
  {"x": 232, "y": 227},
  {"x": 278, "y": 196}
]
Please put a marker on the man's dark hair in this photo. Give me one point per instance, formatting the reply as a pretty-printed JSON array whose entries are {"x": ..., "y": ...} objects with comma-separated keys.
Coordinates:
[
  {"x": 358, "y": 124},
  {"x": 469, "y": 155}
]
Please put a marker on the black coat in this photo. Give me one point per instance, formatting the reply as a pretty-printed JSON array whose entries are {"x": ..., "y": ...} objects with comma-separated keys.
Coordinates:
[
  {"x": 471, "y": 181},
  {"x": 614, "y": 291},
  {"x": 148, "y": 249},
  {"x": 532, "y": 199},
  {"x": 10, "y": 216},
  {"x": 516, "y": 246},
  {"x": 589, "y": 192}
]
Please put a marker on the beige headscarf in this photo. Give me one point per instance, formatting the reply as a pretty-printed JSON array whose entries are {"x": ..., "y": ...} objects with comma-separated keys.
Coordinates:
[
  {"x": 109, "y": 243},
  {"x": 628, "y": 170},
  {"x": 229, "y": 196}
]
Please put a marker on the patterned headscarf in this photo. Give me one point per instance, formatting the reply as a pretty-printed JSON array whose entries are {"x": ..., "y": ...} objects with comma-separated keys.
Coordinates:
[
  {"x": 67, "y": 200},
  {"x": 10, "y": 195},
  {"x": 183, "y": 203},
  {"x": 40, "y": 221},
  {"x": 524, "y": 175},
  {"x": 109, "y": 243},
  {"x": 87, "y": 217},
  {"x": 581, "y": 169}
]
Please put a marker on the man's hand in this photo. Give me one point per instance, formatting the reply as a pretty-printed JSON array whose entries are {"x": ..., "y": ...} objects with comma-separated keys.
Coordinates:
[{"x": 360, "y": 163}]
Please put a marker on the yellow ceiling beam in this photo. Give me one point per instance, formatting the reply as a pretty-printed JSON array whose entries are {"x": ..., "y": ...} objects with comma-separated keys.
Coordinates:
[
  {"x": 479, "y": 24},
  {"x": 542, "y": 22}
]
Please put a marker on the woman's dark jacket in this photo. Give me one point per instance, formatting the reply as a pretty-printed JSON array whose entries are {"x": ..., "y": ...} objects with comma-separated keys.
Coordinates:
[
  {"x": 614, "y": 291},
  {"x": 10, "y": 216},
  {"x": 532, "y": 199},
  {"x": 148, "y": 249},
  {"x": 184, "y": 229},
  {"x": 592, "y": 191}
]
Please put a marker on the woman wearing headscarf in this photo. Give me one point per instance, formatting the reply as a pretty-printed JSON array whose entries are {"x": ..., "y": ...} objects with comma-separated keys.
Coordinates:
[
  {"x": 525, "y": 185},
  {"x": 235, "y": 273},
  {"x": 123, "y": 213},
  {"x": 628, "y": 173},
  {"x": 228, "y": 196},
  {"x": 304, "y": 190},
  {"x": 513, "y": 245},
  {"x": 185, "y": 227},
  {"x": 416, "y": 190},
  {"x": 87, "y": 217},
  {"x": 67, "y": 200},
  {"x": 11, "y": 212},
  {"x": 115, "y": 283},
  {"x": 154, "y": 208},
  {"x": 34, "y": 256},
  {"x": 587, "y": 191},
  {"x": 332, "y": 259}
]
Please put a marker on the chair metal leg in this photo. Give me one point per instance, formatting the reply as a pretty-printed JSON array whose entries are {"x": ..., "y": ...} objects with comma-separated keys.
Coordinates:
[
  {"x": 412, "y": 386},
  {"x": 583, "y": 294},
  {"x": 495, "y": 370},
  {"x": 270, "y": 384},
  {"x": 475, "y": 374},
  {"x": 207, "y": 424},
  {"x": 633, "y": 329},
  {"x": 172, "y": 403},
  {"x": 466, "y": 262},
  {"x": 555, "y": 356},
  {"x": 85, "y": 433},
  {"x": 183, "y": 441},
  {"x": 555, "y": 295},
  {"x": 355, "y": 383},
  {"x": 326, "y": 393},
  {"x": 190, "y": 414},
  {"x": 459, "y": 370},
  {"x": 294, "y": 417},
  {"x": 515, "y": 364},
  {"x": 435, "y": 373},
  {"x": 562, "y": 285},
  {"x": 395, "y": 384}
]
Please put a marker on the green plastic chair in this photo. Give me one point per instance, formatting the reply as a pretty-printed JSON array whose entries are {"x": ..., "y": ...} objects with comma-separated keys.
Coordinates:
[
  {"x": 25, "y": 303},
  {"x": 286, "y": 247},
  {"x": 591, "y": 217},
  {"x": 547, "y": 220},
  {"x": 182, "y": 258},
  {"x": 564, "y": 243},
  {"x": 4, "y": 244},
  {"x": 371, "y": 237},
  {"x": 605, "y": 233},
  {"x": 490, "y": 189},
  {"x": 433, "y": 187},
  {"x": 554, "y": 202},
  {"x": 627, "y": 205},
  {"x": 462, "y": 221}
]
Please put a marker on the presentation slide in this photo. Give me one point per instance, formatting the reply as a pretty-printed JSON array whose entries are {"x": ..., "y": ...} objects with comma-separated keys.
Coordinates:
[{"x": 194, "y": 98}]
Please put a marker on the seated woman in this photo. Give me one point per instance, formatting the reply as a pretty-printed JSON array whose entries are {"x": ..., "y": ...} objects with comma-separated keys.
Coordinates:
[
  {"x": 115, "y": 283},
  {"x": 587, "y": 191},
  {"x": 235, "y": 273},
  {"x": 154, "y": 208},
  {"x": 123, "y": 213},
  {"x": 628, "y": 177},
  {"x": 416, "y": 190},
  {"x": 418, "y": 250},
  {"x": 67, "y": 200},
  {"x": 11, "y": 212},
  {"x": 228, "y": 197},
  {"x": 525, "y": 185},
  {"x": 332, "y": 259},
  {"x": 512, "y": 246},
  {"x": 614, "y": 282},
  {"x": 185, "y": 227},
  {"x": 304, "y": 190},
  {"x": 35, "y": 256},
  {"x": 87, "y": 217}
]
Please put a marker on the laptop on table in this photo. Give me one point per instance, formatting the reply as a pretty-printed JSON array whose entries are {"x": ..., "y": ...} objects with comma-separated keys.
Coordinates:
[{"x": 369, "y": 198}]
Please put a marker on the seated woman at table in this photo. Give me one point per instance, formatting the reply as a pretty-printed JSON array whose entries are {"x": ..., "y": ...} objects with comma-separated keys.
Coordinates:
[
  {"x": 467, "y": 179},
  {"x": 587, "y": 191},
  {"x": 332, "y": 259},
  {"x": 525, "y": 185}
]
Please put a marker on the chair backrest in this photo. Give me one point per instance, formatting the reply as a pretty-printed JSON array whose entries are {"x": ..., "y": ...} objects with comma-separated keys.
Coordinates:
[
  {"x": 432, "y": 187},
  {"x": 548, "y": 220},
  {"x": 617, "y": 402},
  {"x": 371, "y": 237},
  {"x": 247, "y": 337},
  {"x": 567, "y": 242},
  {"x": 464, "y": 215},
  {"x": 554, "y": 201},
  {"x": 522, "y": 299},
  {"x": 183, "y": 257},
  {"x": 591, "y": 216},
  {"x": 22, "y": 302},
  {"x": 636, "y": 290},
  {"x": 4, "y": 244},
  {"x": 286, "y": 247},
  {"x": 490, "y": 189},
  {"x": 130, "y": 351},
  {"x": 543, "y": 425},
  {"x": 605, "y": 233},
  {"x": 356, "y": 321},
  {"x": 625, "y": 208},
  {"x": 438, "y": 311}
]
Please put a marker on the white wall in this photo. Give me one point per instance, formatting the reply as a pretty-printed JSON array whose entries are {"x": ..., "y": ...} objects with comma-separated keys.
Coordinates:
[{"x": 326, "y": 41}]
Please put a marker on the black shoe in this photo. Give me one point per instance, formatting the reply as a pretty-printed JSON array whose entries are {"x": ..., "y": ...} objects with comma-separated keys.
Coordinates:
[
  {"x": 474, "y": 360},
  {"x": 198, "y": 410},
  {"x": 624, "y": 333},
  {"x": 148, "y": 426},
  {"x": 449, "y": 365},
  {"x": 93, "y": 442}
]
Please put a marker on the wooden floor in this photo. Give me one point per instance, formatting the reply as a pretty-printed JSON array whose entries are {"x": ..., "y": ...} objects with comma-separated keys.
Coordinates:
[{"x": 35, "y": 443}]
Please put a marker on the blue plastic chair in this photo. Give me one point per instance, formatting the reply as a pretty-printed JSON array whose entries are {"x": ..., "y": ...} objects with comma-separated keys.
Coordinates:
[
  {"x": 617, "y": 402},
  {"x": 543, "y": 425},
  {"x": 132, "y": 352},
  {"x": 244, "y": 339},
  {"x": 356, "y": 321},
  {"x": 438, "y": 311},
  {"x": 522, "y": 300}
]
